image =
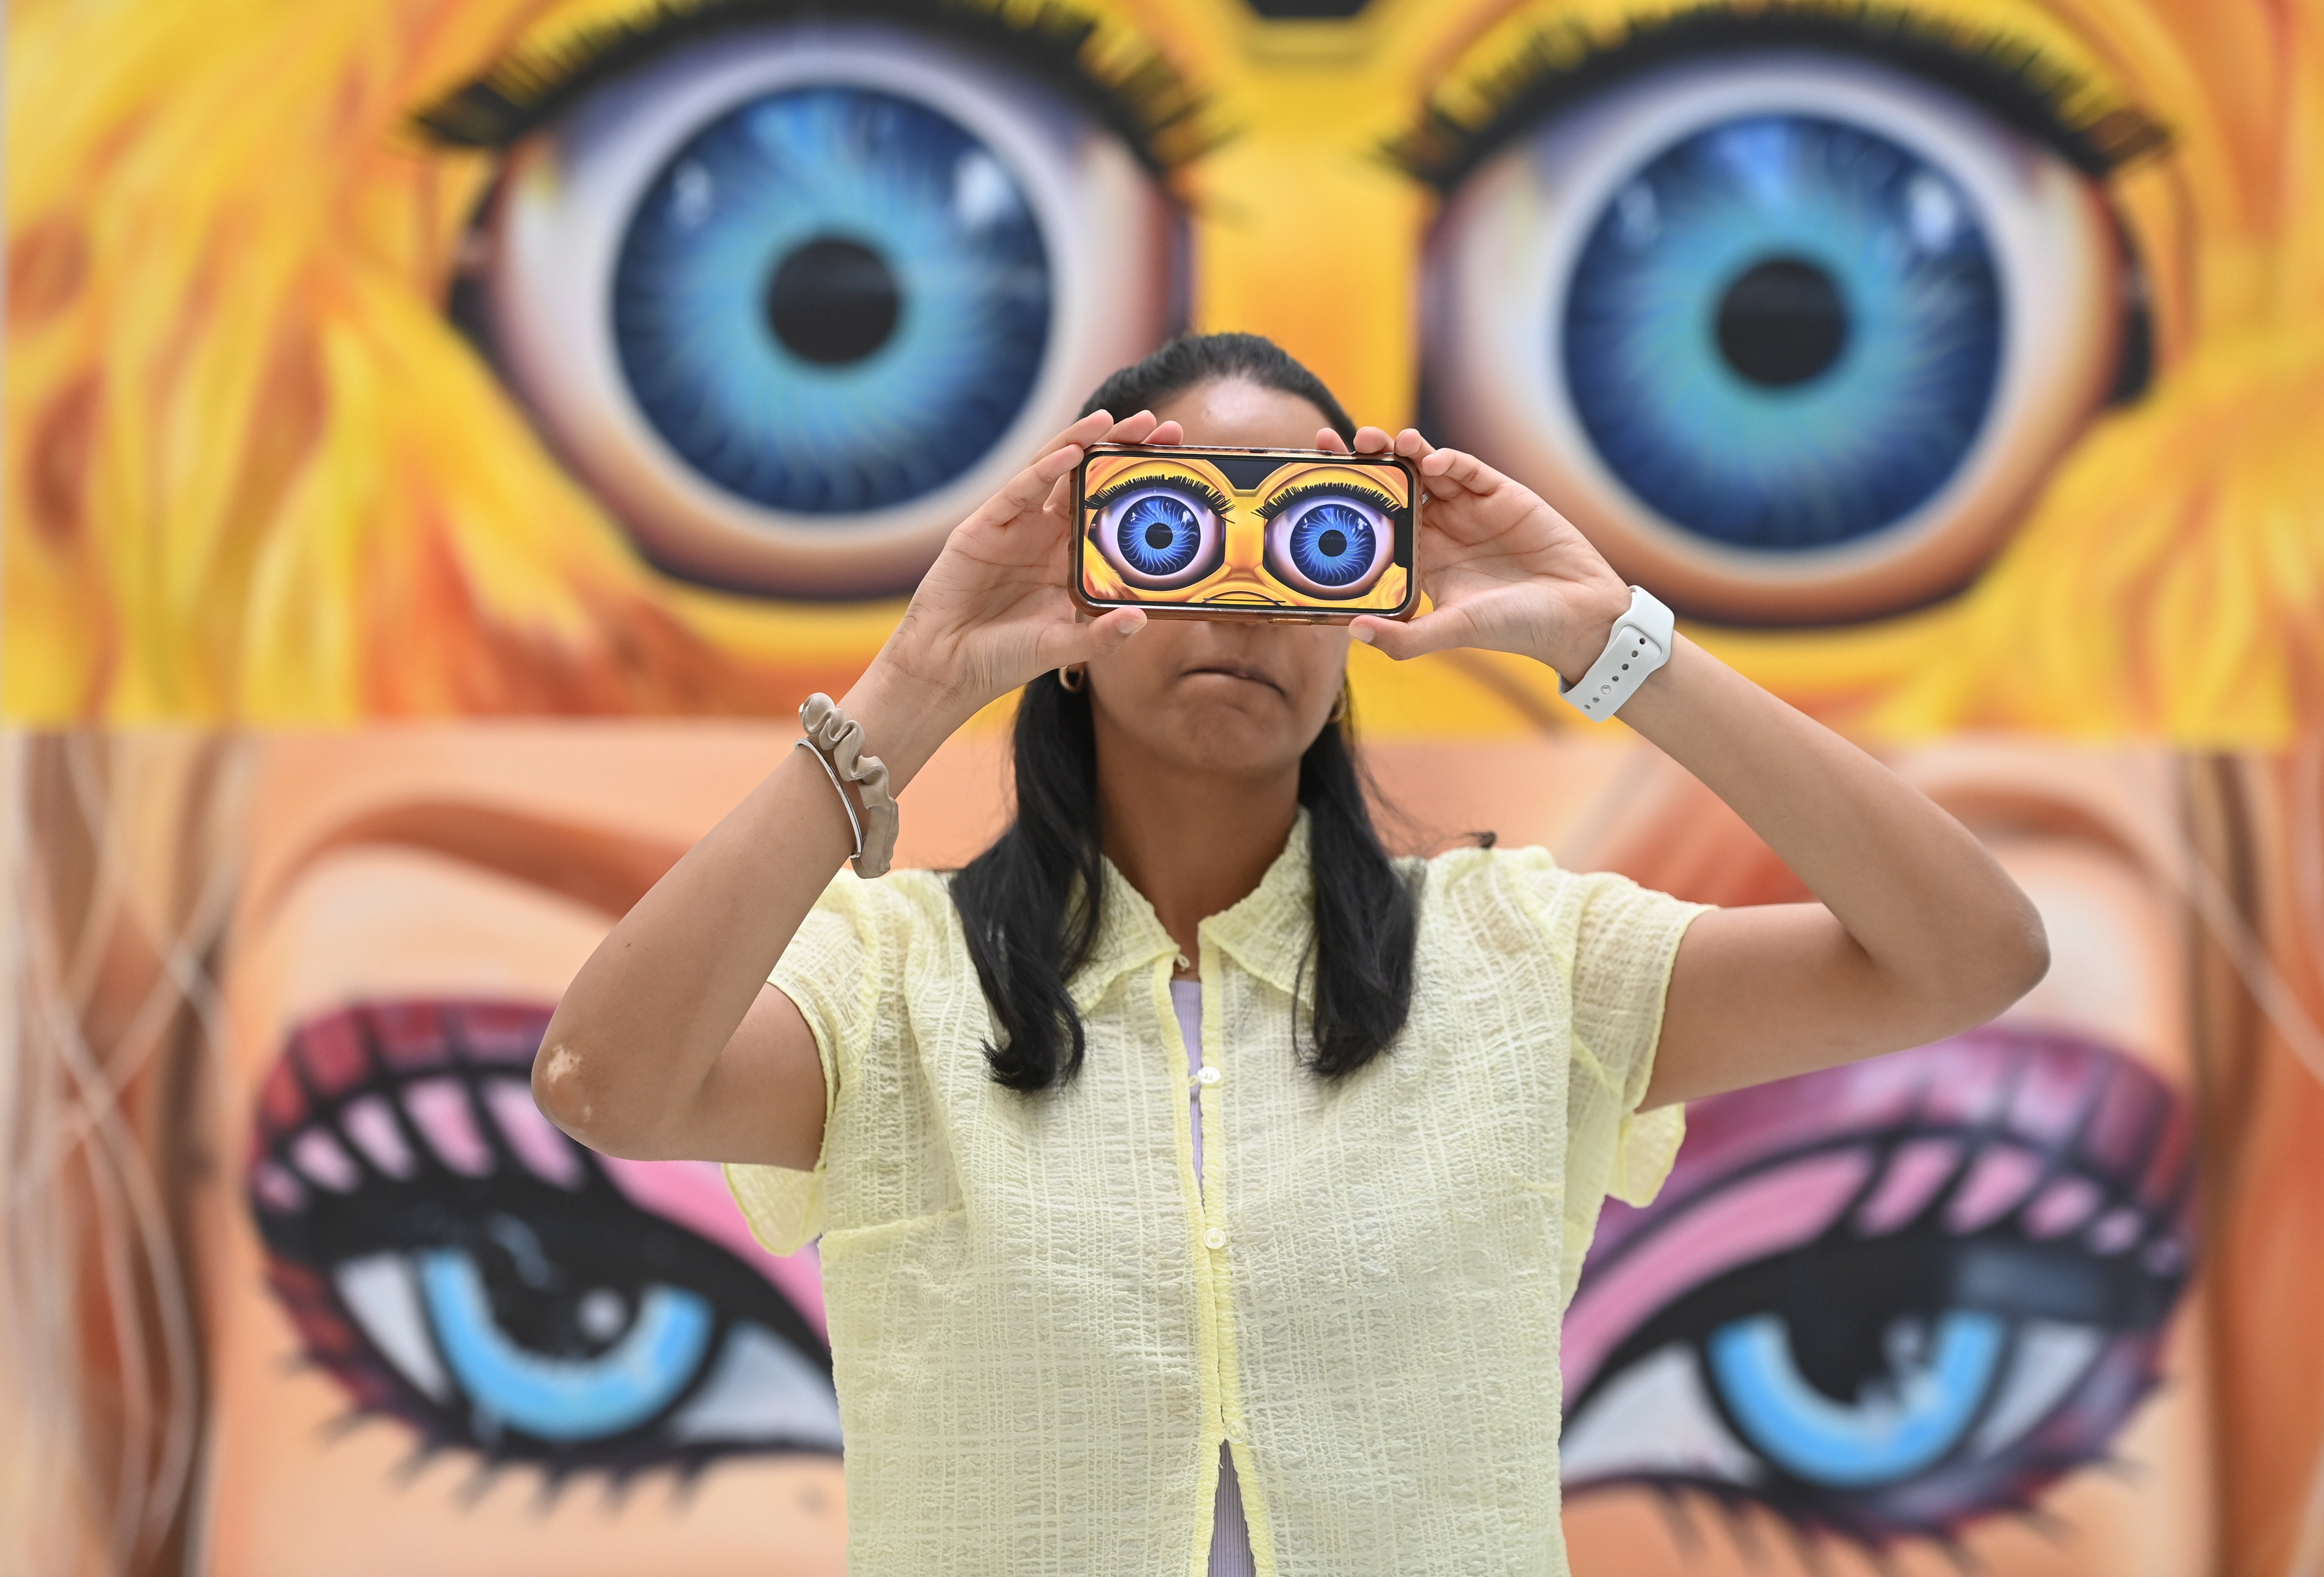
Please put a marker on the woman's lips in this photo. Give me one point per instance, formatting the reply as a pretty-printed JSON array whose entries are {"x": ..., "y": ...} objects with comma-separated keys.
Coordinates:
[{"x": 1235, "y": 671}]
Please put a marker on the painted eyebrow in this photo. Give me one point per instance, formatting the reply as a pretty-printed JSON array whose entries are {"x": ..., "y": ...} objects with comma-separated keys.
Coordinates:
[
  {"x": 1563, "y": 62},
  {"x": 1118, "y": 77},
  {"x": 606, "y": 870}
]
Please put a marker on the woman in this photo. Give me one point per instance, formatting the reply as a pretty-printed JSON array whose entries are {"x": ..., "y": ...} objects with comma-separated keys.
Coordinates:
[{"x": 1189, "y": 1172}]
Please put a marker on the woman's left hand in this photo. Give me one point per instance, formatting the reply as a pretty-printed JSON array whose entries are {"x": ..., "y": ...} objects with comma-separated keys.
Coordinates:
[{"x": 1506, "y": 571}]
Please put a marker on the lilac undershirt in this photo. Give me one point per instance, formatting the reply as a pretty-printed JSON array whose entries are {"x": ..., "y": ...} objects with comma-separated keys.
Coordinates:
[{"x": 1230, "y": 1554}]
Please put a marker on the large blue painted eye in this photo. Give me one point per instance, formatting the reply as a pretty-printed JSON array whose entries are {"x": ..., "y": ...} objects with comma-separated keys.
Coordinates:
[
  {"x": 1162, "y": 538},
  {"x": 1888, "y": 1301},
  {"x": 457, "y": 1265},
  {"x": 794, "y": 299},
  {"x": 647, "y": 1347},
  {"x": 819, "y": 273},
  {"x": 1791, "y": 336},
  {"x": 1329, "y": 544},
  {"x": 1785, "y": 333},
  {"x": 1159, "y": 534},
  {"x": 1333, "y": 543},
  {"x": 1940, "y": 1373}
]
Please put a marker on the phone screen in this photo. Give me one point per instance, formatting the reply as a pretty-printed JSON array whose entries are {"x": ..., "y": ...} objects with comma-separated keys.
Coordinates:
[{"x": 1289, "y": 532}]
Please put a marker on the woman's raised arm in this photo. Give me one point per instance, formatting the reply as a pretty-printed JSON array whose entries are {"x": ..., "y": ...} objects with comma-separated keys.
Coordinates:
[
  {"x": 1919, "y": 934},
  {"x": 669, "y": 1044}
]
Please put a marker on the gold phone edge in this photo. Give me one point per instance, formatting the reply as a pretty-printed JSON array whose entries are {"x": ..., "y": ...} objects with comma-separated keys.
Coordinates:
[{"x": 1219, "y": 611}]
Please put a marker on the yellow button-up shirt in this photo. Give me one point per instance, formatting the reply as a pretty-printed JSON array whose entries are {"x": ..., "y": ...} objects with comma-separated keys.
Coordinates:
[{"x": 1042, "y": 1326}]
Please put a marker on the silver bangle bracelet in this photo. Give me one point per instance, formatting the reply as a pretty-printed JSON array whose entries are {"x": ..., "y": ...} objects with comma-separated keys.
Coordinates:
[{"x": 836, "y": 740}]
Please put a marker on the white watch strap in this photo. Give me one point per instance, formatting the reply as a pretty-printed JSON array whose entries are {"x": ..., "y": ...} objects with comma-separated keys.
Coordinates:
[{"x": 1640, "y": 644}]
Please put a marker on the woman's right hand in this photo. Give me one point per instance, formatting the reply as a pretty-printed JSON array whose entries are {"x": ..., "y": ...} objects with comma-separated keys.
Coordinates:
[{"x": 994, "y": 611}]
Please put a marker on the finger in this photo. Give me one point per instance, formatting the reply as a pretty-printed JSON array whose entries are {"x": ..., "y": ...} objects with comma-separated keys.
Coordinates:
[
  {"x": 1329, "y": 440},
  {"x": 1401, "y": 639},
  {"x": 1462, "y": 470},
  {"x": 1371, "y": 440},
  {"x": 1088, "y": 429},
  {"x": 1110, "y": 633},
  {"x": 1169, "y": 433},
  {"x": 1078, "y": 641},
  {"x": 1030, "y": 489},
  {"x": 1131, "y": 430},
  {"x": 1412, "y": 446}
]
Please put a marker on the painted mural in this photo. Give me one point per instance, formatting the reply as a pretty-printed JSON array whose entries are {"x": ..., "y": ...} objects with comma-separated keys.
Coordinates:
[{"x": 445, "y": 438}]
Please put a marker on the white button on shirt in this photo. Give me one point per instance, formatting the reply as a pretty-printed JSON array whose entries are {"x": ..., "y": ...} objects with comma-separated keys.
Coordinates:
[{"x": 1231, "y": 1552}]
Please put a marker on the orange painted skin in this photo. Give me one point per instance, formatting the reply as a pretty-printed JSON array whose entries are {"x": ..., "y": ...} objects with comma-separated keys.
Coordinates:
[{"x": 256, "y": 475}]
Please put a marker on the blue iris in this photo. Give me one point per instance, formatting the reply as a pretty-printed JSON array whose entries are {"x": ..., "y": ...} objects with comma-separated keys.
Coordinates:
[
  {"x": 1332, "y": 544},
  {"x": 1158, "y": 535},
  {"x": 563, "y": 1398},
  {"x": 832, "y": 299},
  {"x": 1895, "y": 1429},
  {"x": 1783, "y": 332}
]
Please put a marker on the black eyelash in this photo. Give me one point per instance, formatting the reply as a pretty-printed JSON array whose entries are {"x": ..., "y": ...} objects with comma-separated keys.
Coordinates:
[
  {"x": 1124, "y": 84},
  {"x": 1220, "y": 503},
  {"x": 1291, "y": 495},
  {"x": 1564, "y": 62},
  {"x": 434, "y": 1206}
]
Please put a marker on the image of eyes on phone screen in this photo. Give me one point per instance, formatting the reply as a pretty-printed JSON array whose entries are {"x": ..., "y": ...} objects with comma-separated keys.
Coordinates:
[{"x": 1211, "y": 532}]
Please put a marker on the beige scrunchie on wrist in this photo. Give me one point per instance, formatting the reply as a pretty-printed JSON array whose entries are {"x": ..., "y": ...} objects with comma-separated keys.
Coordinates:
[{"x": 837, "y": 740}]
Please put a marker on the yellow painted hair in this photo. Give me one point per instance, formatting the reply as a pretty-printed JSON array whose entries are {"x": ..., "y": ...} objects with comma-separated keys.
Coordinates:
[{"x": 254, "y": 475}]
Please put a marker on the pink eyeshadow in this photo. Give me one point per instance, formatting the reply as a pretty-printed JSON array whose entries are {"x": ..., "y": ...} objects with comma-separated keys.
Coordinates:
[
  {"x": 2053, "y": 1093},
  {"x": 1919, "y": 1168},
  {"x": 1733, "y": 1226},
  {"x": 494, "y": 1033},
  {"x": 693, "y": 1194},
  {"x": 2062, "y": 1206},
  {"x": 439, "y": 1109},
  {"x": 410, "y": 1035},
  {"x": 1998, "y": 1179},
  {"x": 282, "y": 1104},
  {"x": 2168, "y": 1168},
  {"x": 320, "y": 1156},
  {"x": 545, "y": 1152},
  {"x": 372, "y": 1125},
  {"x": 1968, "y": 1092},
  {"x": 333, "y": 1054}
]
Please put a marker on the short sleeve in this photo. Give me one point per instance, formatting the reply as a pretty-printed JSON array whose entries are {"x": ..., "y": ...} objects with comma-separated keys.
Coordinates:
[
  {"x": 832, "y": 970},
  {"x": 1625, "y": 943},
  {"x": 1616, "y": 942}
]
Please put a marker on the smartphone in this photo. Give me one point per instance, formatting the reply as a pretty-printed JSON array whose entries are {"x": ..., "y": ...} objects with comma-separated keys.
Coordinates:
[{"x": 1194, "y": 532}]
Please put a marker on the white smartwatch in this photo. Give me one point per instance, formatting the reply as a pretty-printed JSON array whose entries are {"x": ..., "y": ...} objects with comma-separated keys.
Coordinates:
[{"x": 1640, "y": 644}]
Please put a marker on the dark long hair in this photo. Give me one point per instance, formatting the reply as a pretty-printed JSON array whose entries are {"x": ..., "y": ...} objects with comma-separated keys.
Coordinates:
[{"x": 1032, "y": 903}]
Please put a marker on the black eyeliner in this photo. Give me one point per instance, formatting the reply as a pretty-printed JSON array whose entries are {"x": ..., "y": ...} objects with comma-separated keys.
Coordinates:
[
  {"x": 1306, "y": 490},
  {"x": 1219, "y": 502},
  {"x": 1125, "y": 84},
  {"x": 1565, "y": 62}
]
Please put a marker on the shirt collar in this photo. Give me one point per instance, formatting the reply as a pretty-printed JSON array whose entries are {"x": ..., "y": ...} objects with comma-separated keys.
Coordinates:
[{"x": 1268, "y": 932}]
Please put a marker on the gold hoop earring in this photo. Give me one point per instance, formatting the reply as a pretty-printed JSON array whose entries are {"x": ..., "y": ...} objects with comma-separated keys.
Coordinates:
[
  {"x": 1340, "y": 706},
  {"x": 1072, "y": 677}
]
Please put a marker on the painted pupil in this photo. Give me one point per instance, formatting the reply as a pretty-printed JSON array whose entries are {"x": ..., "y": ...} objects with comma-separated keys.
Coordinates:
[
  {"x": 1332, "y": 544},
  {"x": 1159, "y": 535}
]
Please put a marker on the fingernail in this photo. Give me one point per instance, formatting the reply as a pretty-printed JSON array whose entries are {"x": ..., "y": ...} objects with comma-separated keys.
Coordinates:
[{"x": 1363, "y": 634}]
